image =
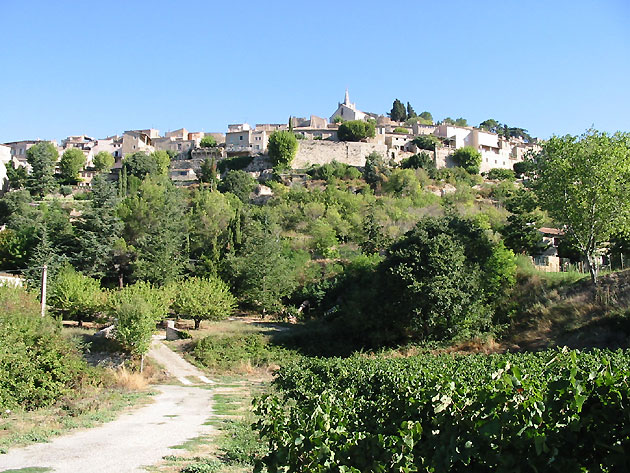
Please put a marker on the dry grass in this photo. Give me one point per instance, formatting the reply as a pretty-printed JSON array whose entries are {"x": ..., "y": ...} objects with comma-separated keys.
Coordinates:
[{"x": 130, "y": 380}]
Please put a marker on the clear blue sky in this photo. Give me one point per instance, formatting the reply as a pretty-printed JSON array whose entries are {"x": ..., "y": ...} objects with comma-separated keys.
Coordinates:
[{"x": 99, "y": 68}]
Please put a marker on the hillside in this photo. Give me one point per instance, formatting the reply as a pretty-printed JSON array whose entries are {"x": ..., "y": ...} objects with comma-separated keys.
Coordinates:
[{"x": 559, "y": 313}]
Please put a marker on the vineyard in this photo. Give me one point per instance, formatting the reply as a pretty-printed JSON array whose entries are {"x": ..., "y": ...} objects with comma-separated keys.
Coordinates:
[{"x": 562, "y": 411}]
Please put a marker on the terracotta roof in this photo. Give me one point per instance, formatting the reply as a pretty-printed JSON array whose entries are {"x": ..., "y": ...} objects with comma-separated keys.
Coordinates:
[{"x": 551, "y": 231}]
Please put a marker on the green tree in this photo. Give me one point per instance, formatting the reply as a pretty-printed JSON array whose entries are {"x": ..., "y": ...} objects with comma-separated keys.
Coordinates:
[
  {"x": 419, "y": 161},
  {"x": 521, "y": 234},
  {"x": 16, "y": 175},
  {"x": 163, "y": 160},
  {"x": 376, "y": 171},
  {"x": 214, "y": 220},
  {"x": 140, "y": 165},
  {"x": 75, "y": 296},
  {"x": 208, "y": 141},
  {"x": 103, "y": 161},
  {"x": 411, "y": 113},
  {"x": 156, "y": 228},
  {"x": 375, "y": 240},
  {"x": 524, "y": 167},
  {"x": 208, "y": 173},
  {"x": 356, "y": 130},
  {"x": 42, "y": 158},
  {"x": 398, "y": 112},
  {"x": 263, "y": 271},
  {"x": 134, "y": 326},
  {"x": 203, "y": 299},
  {"x": 427, "y": 118},
  {"x": 584, "y": 184},
  {"x": 490, "y": 125},
  {"x": 443, "y": 279},
  {"x": 239, "y": 183},
  {"x": 98, "y": 229},
  {"x": 427, "y": 142},
  {"x": 468, "y": 158},
  {"x": 461, "y": 122},
  {"x": 400, "y": 129},
  {"x": 282, "y": 148},
  {"x": 71, "y": 162}
]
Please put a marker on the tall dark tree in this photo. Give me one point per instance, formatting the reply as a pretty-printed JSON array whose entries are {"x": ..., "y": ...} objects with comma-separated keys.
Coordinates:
[
  {"x": 411, "y": 113},
  {"x": 98, "y": 230},
  {"x": 42, "y": 158},
  {"x": 398, "y": 113},
  {"x": 208, "y": 173},
  {"x": 155, "y": 226}
]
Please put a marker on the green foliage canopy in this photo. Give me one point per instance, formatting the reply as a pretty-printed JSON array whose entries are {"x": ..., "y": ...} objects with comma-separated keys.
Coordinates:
[
  {"x": 282, "y": 148},
  {"x": 584, "y": 184},
  {"x": 356, "y": 130},
  {"x": 203, "y": 299}
]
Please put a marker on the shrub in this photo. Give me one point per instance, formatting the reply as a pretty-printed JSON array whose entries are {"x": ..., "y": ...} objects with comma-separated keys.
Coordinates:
[
  {"x": 356, "y": 130},
  {"x": 234, "y": 164},
  {"x": 501, "y": 174},
  {"x": 400, "y": 129},
  {"x": 65, "y": 190},
  {"x": 468, "y": 158},
  {"x": 208, "y": 141},
  {"x": 37, "y": 366},
  {"x": 239, "y": 183},
  {"x": 428, "y": 142}
]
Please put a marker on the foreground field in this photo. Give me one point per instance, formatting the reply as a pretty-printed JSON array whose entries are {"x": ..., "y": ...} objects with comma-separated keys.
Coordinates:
[{"x": 550, "y": 411}]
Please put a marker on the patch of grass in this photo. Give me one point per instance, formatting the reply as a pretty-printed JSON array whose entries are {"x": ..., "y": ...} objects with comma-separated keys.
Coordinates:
[
  {"x": 240, "y": 353},
  {"x": 192, "y": 443},
  {"x": 29, "y": 469},
  {"x": 85, "y": 409},
  {"x": 209, "y": 465}
]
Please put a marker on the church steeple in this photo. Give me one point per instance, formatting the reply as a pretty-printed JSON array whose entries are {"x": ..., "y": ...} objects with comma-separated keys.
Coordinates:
[{"x": 346, "y": 101}]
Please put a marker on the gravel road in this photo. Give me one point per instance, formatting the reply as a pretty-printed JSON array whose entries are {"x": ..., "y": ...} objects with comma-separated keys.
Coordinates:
[{"x": 136, "y": 439}]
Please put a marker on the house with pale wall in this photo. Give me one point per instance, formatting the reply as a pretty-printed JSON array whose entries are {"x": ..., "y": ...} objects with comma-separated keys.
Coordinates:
[
  {"x": 19, "y": 148},
  {"x": 5, "y": 159},
  {"x": 348, "y": 111}
]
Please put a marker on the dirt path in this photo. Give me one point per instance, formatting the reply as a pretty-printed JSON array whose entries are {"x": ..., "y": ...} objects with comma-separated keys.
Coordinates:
[{"x": 136, "y": 439}]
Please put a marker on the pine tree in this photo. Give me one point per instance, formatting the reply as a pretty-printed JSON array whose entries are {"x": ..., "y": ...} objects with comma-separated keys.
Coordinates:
[
  {"x": 398, "y": 113},
  {"x": 98, "y": 229},
  {"x": 411, "y": 113}
]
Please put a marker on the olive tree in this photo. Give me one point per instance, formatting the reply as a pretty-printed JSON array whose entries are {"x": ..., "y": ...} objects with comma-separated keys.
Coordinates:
[
  {"x": 203, "y": 299},
  {"x": 584, "y": 184}
]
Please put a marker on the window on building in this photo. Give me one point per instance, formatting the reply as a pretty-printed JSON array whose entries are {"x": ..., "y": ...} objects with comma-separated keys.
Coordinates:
[{"x": 240, "y": 137}]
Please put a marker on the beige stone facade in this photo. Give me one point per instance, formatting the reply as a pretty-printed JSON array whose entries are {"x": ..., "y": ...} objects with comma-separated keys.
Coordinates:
[{"x": 322, "y": 152}]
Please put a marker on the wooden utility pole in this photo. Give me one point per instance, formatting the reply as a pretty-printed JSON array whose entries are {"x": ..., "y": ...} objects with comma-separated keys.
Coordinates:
[{"x": 44, "y": 278}]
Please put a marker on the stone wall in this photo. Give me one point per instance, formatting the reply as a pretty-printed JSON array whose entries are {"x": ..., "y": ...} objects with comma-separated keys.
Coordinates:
[{"x": 322, "y": 152}]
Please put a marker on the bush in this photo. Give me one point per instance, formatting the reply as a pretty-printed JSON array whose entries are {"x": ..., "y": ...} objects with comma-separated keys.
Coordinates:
[
  {"x": 356, "y": 130},
  {"x": 500, "y": 174},
  {"x": 334, "y": 169},
  {"x": 239, "y": 183},
  {"x": 428, "y": 142},
  {"x": 468, "y": 158},
  {"x": 37, "y": 366},
  {"x": 234, "y": 352},
  {"x": 208, "y": 141},
  {"x": 400, "y": 129},
  {"x": 234, "y": 164},
  {"x": 65, "y": 190}
]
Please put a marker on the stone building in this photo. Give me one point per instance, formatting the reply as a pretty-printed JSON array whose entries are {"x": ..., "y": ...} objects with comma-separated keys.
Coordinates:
[{"x": 348, "y": 111}]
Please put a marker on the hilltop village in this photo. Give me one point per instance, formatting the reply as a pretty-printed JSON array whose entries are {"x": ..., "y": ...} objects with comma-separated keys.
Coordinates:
[{"x": 396, "y": 136}]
